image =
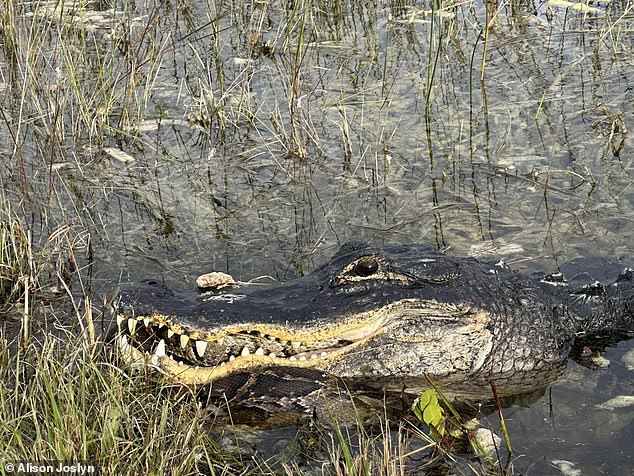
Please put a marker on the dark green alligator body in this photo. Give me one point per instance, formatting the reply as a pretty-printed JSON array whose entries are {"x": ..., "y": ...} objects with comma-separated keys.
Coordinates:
[{"x": 377, "y": 318}]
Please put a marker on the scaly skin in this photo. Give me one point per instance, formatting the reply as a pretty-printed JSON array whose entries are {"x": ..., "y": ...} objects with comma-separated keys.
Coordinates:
[{"x": 376, "y": 317}]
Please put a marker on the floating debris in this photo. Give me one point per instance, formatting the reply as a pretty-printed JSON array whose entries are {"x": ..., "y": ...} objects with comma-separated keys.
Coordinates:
[
  {"x": 622, "y": 401},
  {"x": 628, "y": 360}
]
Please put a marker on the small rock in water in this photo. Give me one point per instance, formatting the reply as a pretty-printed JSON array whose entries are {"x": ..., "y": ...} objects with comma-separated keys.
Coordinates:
[
  {"x": 216, "y": 280},
  {"x": 489, "y": 441}
]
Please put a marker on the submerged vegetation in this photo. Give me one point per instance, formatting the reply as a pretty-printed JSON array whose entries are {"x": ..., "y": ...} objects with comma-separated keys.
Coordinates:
[
  {"x": 176, "y": 137},
  {"x": 18, "y": 272}
]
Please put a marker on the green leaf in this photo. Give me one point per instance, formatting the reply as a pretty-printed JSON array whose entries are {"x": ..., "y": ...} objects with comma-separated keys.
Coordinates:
[{"x": 428, "y": 410}]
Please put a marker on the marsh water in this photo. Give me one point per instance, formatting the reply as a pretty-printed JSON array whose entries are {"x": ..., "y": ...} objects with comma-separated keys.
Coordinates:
[{"x": 175, "y": 138}]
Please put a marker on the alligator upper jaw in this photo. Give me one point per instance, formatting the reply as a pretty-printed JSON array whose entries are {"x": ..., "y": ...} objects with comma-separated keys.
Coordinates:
[{"x": 193, "y": 356}]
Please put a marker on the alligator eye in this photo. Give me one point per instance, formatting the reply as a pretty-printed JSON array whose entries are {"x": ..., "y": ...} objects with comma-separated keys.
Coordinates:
[{"x": 366, "y": 266}]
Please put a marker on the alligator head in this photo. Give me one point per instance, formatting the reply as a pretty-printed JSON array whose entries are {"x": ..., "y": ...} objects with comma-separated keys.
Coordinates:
[{"x": 376, "y": 317}]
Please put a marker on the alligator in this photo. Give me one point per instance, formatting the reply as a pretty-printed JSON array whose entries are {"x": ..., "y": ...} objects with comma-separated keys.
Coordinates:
[{"x": 378, "y": 318}]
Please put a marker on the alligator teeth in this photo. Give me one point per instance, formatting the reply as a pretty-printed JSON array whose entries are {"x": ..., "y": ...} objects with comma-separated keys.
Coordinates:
[
  {"x": 201, "y": 346},
  {"x": 302, "y": 357},
  {"x": 259, "y": 351},
  {"x": 160, "y": 349},
  {"x": 324, "y": 354},
  {"x": 146, "y": 321},
  {"x": 232, "y": 358},
  {"x": 272, "y": 355},
  {"x": 184, "y": 340},
  {"x": 223, "y": 363},
  {"x": 295, "y": 344},
  {"x": 292, "y": 358},
  {"x": 161, "y": 325},
  {"x": 245, "y": 351},
  {"x": 170, "y": 333},
  {"x": 314, "y": 356},
  {"x": 132, "y": 326},
  {"x": 123, "y": 342},
  {"x": 120, "y": 320},
  {"x": 180, "y": 362}
]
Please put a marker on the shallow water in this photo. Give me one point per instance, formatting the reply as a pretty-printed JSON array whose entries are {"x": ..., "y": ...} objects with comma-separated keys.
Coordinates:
[{"x": 263, "y": 135}]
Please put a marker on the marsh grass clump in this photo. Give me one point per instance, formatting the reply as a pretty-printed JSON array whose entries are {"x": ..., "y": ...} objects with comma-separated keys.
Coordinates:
[
  {"x": 363, "y": 451},
  {"x": 63, "y": 400}
]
